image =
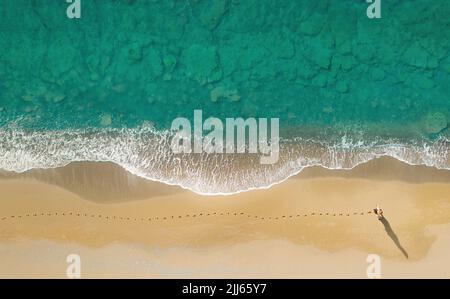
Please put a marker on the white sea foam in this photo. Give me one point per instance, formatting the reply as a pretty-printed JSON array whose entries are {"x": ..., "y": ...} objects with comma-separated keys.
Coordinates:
[{"x": 147, "y": 153}]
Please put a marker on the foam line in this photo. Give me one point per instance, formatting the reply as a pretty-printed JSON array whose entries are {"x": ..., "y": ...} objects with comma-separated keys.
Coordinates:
[{"x": 147, "y": 154}]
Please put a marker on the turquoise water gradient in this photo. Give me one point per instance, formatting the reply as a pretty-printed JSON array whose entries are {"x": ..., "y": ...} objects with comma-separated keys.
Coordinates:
[
  {"x": 310, "y": 63},
  {"x": 346, "y": 88}
]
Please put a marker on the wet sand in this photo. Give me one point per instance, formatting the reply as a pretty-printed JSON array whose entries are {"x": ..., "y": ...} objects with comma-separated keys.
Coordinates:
[{"x": 316, "y": 224}]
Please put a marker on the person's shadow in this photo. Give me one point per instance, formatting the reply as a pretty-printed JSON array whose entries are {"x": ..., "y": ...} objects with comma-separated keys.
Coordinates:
[{"x": 393, "y": 236}]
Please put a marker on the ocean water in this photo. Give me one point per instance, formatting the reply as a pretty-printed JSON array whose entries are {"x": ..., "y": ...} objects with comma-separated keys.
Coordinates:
[{"x": 107, "y": 86}]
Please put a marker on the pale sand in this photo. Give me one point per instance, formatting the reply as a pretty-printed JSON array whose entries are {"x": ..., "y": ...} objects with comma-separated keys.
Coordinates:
[{"x": 416, "y": 201}]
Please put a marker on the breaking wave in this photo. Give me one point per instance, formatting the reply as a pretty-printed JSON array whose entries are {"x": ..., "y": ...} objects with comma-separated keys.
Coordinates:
[{"x": 146, "y": 152}]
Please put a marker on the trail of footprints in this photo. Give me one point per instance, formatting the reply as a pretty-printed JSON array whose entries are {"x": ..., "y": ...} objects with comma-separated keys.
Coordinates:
[{"x": 115, "y": 218}]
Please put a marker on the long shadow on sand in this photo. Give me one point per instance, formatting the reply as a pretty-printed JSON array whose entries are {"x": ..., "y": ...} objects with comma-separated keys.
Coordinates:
[
  {"x": 382, "y": 169},
  {"x": 100, "y": 182},
  {"x": 393, "y": 236}
]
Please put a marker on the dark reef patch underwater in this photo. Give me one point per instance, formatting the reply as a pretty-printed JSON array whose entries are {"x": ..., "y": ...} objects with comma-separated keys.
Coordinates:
[{"x": 107, "y": 86}]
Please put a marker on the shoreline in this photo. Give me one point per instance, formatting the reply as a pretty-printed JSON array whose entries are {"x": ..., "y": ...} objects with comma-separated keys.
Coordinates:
[
  {"x": 96, "y": 181},
  {"x": 415, "y": 200},
  {"x": 149, "y": 156}
]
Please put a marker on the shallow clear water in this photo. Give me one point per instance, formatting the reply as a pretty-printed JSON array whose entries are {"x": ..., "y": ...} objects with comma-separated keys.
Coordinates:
[{"x": 354, "y": 87}]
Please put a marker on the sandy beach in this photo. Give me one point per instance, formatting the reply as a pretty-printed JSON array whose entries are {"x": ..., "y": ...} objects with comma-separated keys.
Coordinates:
[
  {"x": 225, "y": 139},
  {"x": 317, "y": 224}
]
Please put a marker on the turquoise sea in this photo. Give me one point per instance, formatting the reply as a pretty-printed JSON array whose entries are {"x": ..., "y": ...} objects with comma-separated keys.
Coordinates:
[{"x": 106, "y": 86}]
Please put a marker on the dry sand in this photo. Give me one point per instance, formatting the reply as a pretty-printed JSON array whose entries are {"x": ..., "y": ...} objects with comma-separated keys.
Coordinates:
[{"x": 125, "y": 226}]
